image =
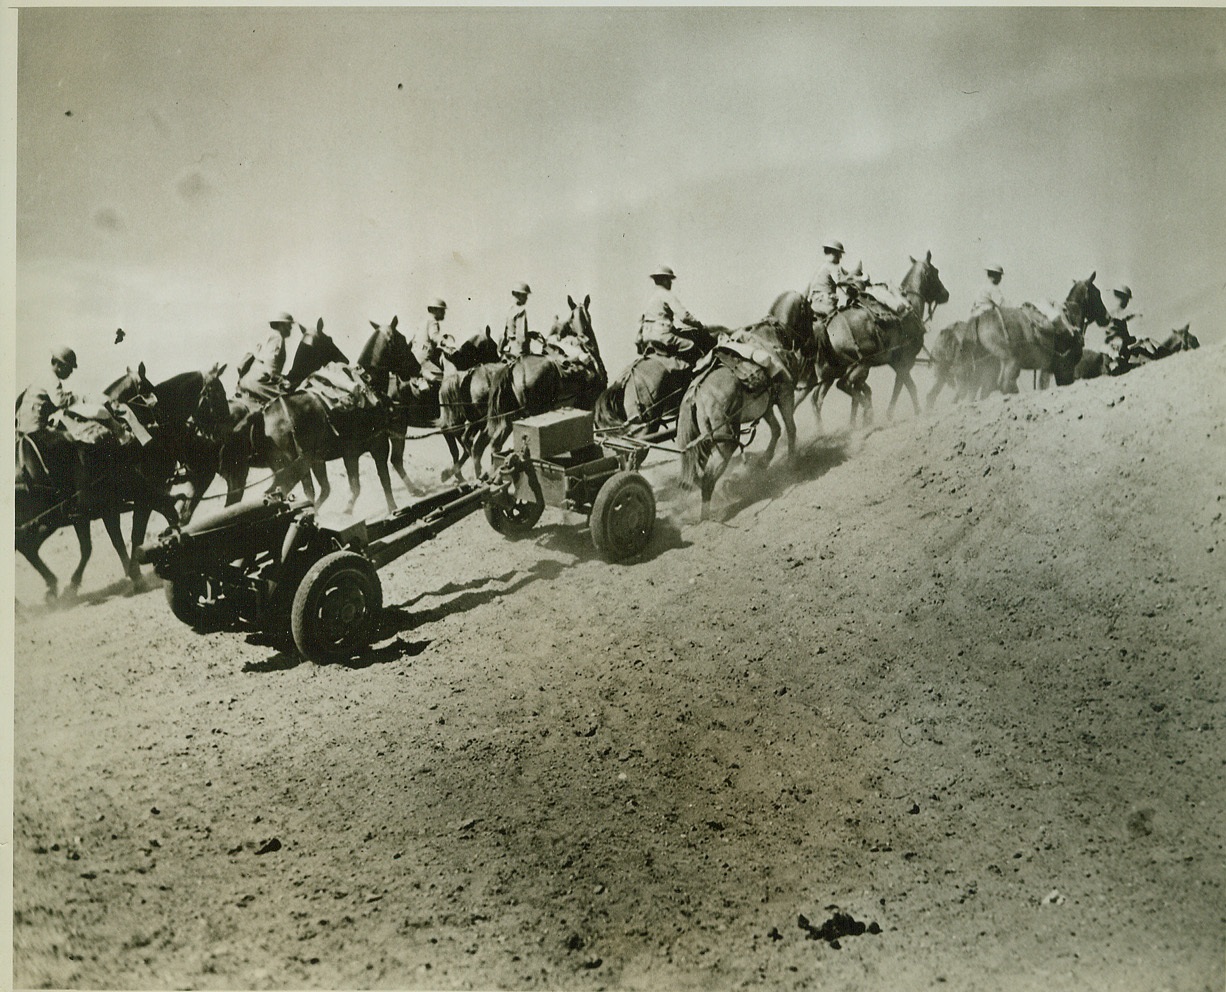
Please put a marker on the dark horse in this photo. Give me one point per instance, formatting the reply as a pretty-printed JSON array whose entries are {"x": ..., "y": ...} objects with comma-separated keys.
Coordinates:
[
  {"x": 187, "y": 417},
  {"x": 62, "y": 482},
  {"x": 648, "y": 393},
  {"x": 571, "y": 372},
  {"x": 858, "y": 339},
  {"x": 301, "y": 431},
  {"x": 1024, "y": 338},
  {"x": 418, "y": 402},
  {"x": 718, "y": 404},
  {"x": 1139, "y": 352},
  {"x": 960, "y": 361}
]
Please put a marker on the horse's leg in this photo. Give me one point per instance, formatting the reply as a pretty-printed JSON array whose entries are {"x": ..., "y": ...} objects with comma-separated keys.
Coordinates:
[
  {"x": 859, "y": 382},
  {"x": 1009, "y": 371},
  {"x": 723, "y": 451},
  {"x": 1044, "y": 379},
  {"x": 29, "y": 550},
  {"x": 85, "y": 541},
  {"x": 353, "y": 471},
  {"x": 379, "y": 452},
  {"x": 140, "y": 524},
  {"x": 396, "y": 445},
  {"x": 458, "y": 455},
  {"x": 846, "y": 386},
  {"x": 819, "y": 397},
  {"x": 902, "y": 378},
  {"x": 111, "y": 522}
]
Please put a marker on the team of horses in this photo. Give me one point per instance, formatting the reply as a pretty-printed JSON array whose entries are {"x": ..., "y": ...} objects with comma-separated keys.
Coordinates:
[{"x": 756, "y": 373}]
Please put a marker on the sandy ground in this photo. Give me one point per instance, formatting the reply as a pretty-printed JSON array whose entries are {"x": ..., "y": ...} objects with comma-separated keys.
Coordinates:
[{"x": 959, "y": 677}]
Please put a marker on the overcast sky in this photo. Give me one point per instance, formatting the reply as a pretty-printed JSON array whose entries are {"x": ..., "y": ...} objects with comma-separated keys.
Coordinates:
[{"x": 188, "y": 173}]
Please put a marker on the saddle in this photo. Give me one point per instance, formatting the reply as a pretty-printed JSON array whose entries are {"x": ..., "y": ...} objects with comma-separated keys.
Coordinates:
[
  {"x": 93, "y": 425},
  {"x": 752, "y": 376},
  {"x": 340, "y": 388}
]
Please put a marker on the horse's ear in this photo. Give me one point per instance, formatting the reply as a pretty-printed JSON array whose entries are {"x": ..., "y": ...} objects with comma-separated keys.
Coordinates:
[
  {"x": 586, "y": 300},
  {"x": 319, "y": 325},
  {"x": 374, "y": 325},
  {"x": 569, "y": 302},
  {"x": 395, "y": 321},
  {"x": 219, "y": 369},
  {"x": 141, "y": 369},
  {"x": 912, "y": 257},
  {"x": 928, "y": 257},
  {"x": 1092, "y": 275},
  {"x": 487, "y": 331}
]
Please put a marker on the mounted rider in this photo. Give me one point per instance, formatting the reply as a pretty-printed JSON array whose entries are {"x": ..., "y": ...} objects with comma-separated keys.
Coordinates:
[
  {"x": 427, "y": 344},
  {"x": 38, "y": 401},
  {"x": 990, "y": 295},
  {"x": 1122, "y": 346},
  {"x": 664, "y": 322},
  {"x": 823, "y": 290},
  {"x": 260, "y": 375},
  {"x": 516, "y": 338}
]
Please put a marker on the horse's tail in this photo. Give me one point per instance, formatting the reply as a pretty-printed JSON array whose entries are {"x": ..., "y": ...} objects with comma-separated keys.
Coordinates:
[
  {"x": 503, "y": 403},
  {"x": 695, "y": 449},
  {"x": 610, "y": 410},
  {"x": 451, "y": 402}
]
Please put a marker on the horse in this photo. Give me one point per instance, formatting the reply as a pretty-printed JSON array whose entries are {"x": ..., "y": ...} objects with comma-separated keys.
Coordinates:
[
  {"x": 418, "y": 402},
  {"x": 570, "y": 372},
  {"x": 61, "y": 482},
  {"x": 186, "y": 416},
  {"x": 1023, "y": 338},
  {"x": 717, "y": 402},
  {"x": 1146, "y": 349},
  {"x": 648, "y": 393},
  {"x": 301, "y": 432},
  {"x": 856, "y": 340},
  {"x": 963, "y": 363}
]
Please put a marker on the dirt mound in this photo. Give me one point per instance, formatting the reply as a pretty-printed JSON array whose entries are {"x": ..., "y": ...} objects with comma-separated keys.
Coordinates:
[{"x": 959, "y": 677}]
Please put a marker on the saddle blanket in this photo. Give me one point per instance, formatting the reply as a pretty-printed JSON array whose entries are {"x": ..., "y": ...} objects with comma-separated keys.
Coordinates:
[
  {"x": 892, "y": 301},
  {"x": 752, "y": 363},
  {"x": 93, "y": 424},
  {"x": 340, "y": 387}
]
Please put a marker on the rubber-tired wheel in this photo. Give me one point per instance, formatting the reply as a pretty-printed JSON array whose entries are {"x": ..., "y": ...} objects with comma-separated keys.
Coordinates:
[
  {"x": 192, "y": 599},
  {"x": 514, "y": 520},
  {"x": 336, "y": 607},
  {"x": 623, "y": 516}
]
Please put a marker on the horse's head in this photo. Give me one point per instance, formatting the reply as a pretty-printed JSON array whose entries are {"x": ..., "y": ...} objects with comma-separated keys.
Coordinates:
[
  {"x": 388, "y": 351},
  {"x": 577, "y": 329},
  {"x": 480, "y": 349},
  {"x": 1185, "y": 339},
  {"x": 212, "y": 411},
  {"x": 131, "y": 386},
  {"x": 922, "y": 285},
  {"x": 1084, "y": 304}
]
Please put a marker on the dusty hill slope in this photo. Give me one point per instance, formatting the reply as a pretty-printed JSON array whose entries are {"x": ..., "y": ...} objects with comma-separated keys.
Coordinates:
[{"x": 959, "y": 677}]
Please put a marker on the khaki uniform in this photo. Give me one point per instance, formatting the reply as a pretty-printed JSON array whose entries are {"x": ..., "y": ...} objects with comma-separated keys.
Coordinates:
[
  {"x": 515, "y": 336},
  {"x": 989, "y": 297},
  {"x": 427, "y": 346},
  {"x": 663, "y": 314},
  {"x": 824, "y": 288}
]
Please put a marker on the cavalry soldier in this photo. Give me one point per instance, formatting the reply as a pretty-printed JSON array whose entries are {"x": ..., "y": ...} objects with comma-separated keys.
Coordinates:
[
  {"x": 664, "y": 321},
  {"x": 516, "y": 338},
  {"x": 824, "y": 286},
  {"x": 990, "y": 296},
  {"x": 260, "y": 373},
  {"x": 37, "y": 402},
  {"x": 427, "y": 343}
]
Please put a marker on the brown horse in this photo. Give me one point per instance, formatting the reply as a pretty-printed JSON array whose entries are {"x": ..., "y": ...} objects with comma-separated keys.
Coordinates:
[
  {"x": 570, "y": 373},
  {"x": 1023, "y": 338},
  {"x": 648, "y": 393},
  {"x": 718, "y": 405},
  {"x": 62, "y": 482},
  {"x": 418, "y": 402},
  {"x": 858, "y": 339},
  {"x": 962, "y": 362}
]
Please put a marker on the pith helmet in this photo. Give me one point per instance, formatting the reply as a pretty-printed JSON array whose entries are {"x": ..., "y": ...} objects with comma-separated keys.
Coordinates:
[
  {"x": 437, "y": 304},
  {"x": 285, "y": 320},
  {"x": 521, "y": 289},
  {"x": 833, "y": 245},
  {"x": 1123, "y": 292},
  {"x": 995, "y": 267},
  {"x": 65, "y": 356},
  {"x": 663, "y": 272}
]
